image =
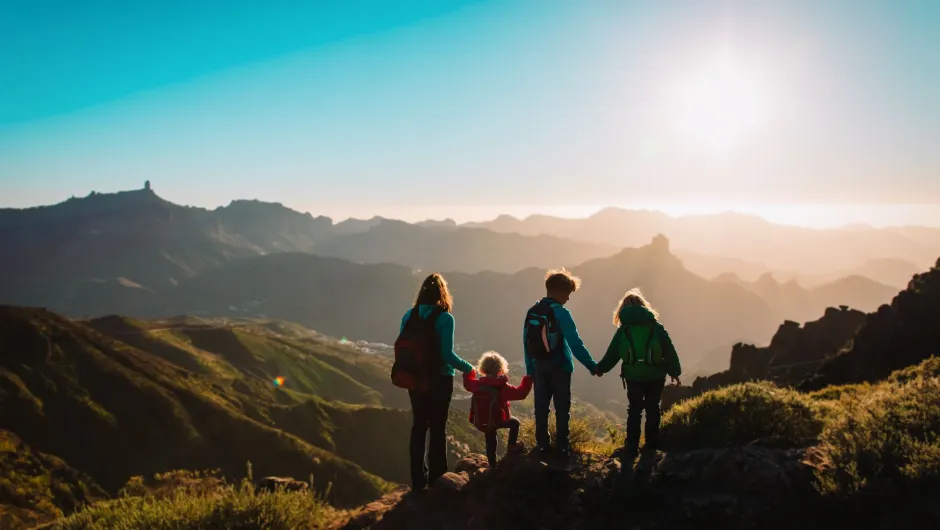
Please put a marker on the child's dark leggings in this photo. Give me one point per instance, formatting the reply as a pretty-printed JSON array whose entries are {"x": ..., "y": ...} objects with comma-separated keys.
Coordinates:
[{"x": 491, "y": 440}]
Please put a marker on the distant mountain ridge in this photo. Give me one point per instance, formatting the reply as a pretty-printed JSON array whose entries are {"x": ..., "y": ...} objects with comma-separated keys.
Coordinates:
[
  {"x": 790, "y": 301},
  {"x": 739, "y": 236}
]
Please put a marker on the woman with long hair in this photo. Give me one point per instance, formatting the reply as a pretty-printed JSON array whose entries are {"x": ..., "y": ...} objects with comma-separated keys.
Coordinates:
[
  {"x": 648, "y": 356},
  {"x": 430, "y": 408}
]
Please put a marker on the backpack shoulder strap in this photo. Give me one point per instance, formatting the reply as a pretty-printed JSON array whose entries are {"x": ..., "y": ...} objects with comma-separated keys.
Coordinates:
[{"x": 413, "y": 316}]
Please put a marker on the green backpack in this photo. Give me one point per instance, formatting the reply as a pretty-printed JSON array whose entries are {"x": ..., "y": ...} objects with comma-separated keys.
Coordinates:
[{"x": 652, "y": 351}]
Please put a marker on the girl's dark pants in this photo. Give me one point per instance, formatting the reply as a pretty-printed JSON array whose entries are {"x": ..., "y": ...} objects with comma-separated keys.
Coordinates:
[
  {"x": 429, "y": 412},
  {"x": 492, "y": 441},
  {"x": 644, "y": 396}
]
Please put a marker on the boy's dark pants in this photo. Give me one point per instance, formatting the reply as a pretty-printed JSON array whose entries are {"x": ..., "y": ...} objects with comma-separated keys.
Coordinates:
[
  {"x": 429, "y": 412},
  {"x": 552, "y": 384},
  {"x": 644, "y": 396},
  {"x": 492, "y": 442}
]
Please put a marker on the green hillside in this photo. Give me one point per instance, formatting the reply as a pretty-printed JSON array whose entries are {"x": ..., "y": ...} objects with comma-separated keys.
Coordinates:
[
  {"x": 35, "y": 486},
  {"x": 114, "y": 410}
]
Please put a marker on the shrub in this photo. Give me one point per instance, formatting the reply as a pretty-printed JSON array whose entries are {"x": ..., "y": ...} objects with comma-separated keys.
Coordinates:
[
  {"x": 740, "y": 414},
  {"x": 173, "y": 482},
  {"x": 928, "y": 368},
  {"x": 584, "y": 435},
  {"x": 228, "y": 507},
  {"x": 886, "y": 440}
]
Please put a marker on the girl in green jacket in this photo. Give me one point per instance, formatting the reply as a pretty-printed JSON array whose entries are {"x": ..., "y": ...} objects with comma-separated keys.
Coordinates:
[{"x": 648, "y": 356}]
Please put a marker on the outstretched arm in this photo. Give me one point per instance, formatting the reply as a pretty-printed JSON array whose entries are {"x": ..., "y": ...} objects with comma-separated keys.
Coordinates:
[
  {"x": 517, "y": 393},
  {"x": 570, "y": 331},
  {"x": 470, "y": 381},
  {"x": 445, "y": 325},
  {"x": 612, "y": 357}
]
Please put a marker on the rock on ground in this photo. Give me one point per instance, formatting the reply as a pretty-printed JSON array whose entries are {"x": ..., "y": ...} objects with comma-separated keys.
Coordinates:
[{"x": 742, "y": 487}]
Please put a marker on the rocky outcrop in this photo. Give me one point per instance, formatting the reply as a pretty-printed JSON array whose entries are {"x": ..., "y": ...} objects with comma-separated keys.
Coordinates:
[
  {"x": 896, "y": 336},
  {"x": 795, "y": 353},
  {"x": 741, "y": 487}
]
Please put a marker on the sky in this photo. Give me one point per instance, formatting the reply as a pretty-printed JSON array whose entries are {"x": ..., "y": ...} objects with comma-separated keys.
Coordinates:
[{"x": 816, "y": 112}]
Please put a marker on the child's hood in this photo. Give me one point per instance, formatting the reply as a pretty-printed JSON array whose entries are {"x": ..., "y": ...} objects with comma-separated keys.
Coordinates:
[
  {"x": 636, "y": 315},
  {"x": 489, "y": 380}
]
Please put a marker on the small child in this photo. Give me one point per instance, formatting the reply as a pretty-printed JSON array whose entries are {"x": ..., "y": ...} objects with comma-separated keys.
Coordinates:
[{"x": 489, "y": 407}]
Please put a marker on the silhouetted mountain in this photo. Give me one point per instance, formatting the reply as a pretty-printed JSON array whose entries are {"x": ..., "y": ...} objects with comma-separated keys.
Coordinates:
[
  {"x": 739, "y": 236},
  {"x": 462, "y": 249},
  {"x": 271, "y": 227},
  {"x": 895, "y": 336},
  {"x": 888, "y": 271},
  {"x": 446, "y": 224},
  {"x": 68, "y": 249},
  {"x": 355, "y": 226},
  {"x": 790, "y": 301}
]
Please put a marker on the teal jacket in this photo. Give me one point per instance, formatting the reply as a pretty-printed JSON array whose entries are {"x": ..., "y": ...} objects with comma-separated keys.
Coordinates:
[
  {"x": 444, "y": 327},
  {"x": 639, "y": 319},
  {"x": 574, "y": 346}
]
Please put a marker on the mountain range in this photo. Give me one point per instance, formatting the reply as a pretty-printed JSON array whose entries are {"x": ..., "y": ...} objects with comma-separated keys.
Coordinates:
[
  {"x": 136, "y": 254},
  {"x": 742, "y": 238}
]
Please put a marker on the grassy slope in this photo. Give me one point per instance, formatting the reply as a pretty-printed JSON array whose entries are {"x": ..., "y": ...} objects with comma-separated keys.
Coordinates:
[
  {"x": 149, "y": 396},
  {"x": 113, "y": 411},
  {"x": 35, "y": 487}
]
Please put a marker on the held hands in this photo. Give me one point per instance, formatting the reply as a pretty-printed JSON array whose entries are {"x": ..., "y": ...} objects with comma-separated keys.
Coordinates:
[{"x": 597, "y": 371}]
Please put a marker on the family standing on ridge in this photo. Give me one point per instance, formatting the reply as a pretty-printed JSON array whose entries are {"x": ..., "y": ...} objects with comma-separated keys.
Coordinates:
[{"x": 425, "y": 363}]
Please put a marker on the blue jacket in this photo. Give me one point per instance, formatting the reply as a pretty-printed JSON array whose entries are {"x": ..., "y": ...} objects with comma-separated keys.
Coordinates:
[
  {"x": 574, "y": 346},
  {"x": 445, "y": 332}
]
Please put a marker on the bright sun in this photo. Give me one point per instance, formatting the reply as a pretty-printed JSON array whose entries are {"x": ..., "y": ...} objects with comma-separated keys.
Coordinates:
[{"x": 720, "y": 106}]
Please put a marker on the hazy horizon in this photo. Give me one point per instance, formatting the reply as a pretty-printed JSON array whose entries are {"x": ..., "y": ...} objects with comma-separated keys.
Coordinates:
[{"x": 817, "y": 216}]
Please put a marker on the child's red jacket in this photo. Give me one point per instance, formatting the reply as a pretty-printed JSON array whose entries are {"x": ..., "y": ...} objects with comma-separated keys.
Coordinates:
[{"x": 507, "y": 392}]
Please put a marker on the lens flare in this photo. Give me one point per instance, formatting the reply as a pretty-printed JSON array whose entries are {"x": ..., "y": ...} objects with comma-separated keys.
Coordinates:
[{"x": 278, "y": 381}]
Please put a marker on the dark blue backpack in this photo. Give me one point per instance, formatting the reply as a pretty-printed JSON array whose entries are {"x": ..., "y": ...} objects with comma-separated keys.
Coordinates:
[{"x": 540, "y": 326}]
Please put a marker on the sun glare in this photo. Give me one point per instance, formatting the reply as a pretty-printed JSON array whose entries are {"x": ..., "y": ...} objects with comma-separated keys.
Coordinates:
[{"x": 719, "y": 106}]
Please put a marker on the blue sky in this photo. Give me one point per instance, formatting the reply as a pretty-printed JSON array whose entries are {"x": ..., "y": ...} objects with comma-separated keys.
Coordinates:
[{"x": 469, "y": 108}]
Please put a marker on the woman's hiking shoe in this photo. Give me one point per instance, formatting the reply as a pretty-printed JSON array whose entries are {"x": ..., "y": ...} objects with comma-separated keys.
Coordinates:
[
  {"x": 414, "y": 497},
  {"x": 627, "y": 454}
]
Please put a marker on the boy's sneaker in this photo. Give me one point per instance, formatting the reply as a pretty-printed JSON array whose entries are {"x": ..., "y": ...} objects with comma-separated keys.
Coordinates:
[
  {"x": 414, "y": 497},
  {"x": 628, "y": 454},
  {"x": 544, "y": 452},
  {"x": 516, "y": 448}
]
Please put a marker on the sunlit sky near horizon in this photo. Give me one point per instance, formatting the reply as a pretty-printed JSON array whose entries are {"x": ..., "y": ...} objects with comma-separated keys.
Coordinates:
[{"x": 468, "y": 109}]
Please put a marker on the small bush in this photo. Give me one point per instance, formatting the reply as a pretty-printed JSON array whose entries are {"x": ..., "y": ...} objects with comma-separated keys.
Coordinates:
[
  {"x": 926, "y": 369},
  {"x": 740, "y": 414},
  {"x": 173, "y": 482},
  {"x": 584, "y": 436},
  {"x": 228, "y": 508},
  {"x": 887, "y": 440}
]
